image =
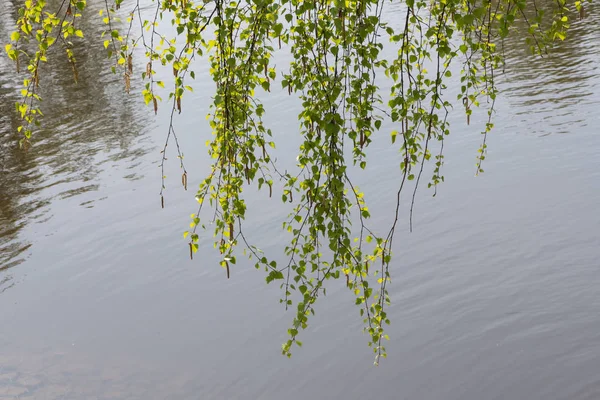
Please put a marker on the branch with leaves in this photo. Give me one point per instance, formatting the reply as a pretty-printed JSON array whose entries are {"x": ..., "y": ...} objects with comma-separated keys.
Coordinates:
[{"x": 336, "y": 51}]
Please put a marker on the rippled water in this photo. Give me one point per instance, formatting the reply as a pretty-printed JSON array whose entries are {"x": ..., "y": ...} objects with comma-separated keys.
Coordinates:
[{"x": 495, "y": 292}]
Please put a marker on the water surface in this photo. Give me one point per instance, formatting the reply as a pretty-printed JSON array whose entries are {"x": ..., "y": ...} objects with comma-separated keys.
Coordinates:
[{"x": 495, "y": 293}]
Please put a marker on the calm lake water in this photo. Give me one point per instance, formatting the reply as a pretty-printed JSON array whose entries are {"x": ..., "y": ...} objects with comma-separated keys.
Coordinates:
[{"x": 496, "y": 293}]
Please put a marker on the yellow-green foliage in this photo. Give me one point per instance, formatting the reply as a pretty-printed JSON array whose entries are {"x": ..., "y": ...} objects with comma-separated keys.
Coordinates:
[{"x": 336, "y": 49}]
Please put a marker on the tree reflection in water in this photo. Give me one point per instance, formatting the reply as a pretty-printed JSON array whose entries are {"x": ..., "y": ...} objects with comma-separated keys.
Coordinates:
[{"x": 83, "y": 122}]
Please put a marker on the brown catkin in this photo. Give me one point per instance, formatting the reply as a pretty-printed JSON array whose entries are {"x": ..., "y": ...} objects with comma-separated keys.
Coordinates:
[
  {"x": 75, "y": 73},
  {"x": 127, "y": 82}
]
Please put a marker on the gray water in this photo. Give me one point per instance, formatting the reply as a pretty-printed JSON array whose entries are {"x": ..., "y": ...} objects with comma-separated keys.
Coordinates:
[{"x": 496, "y": 293}]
